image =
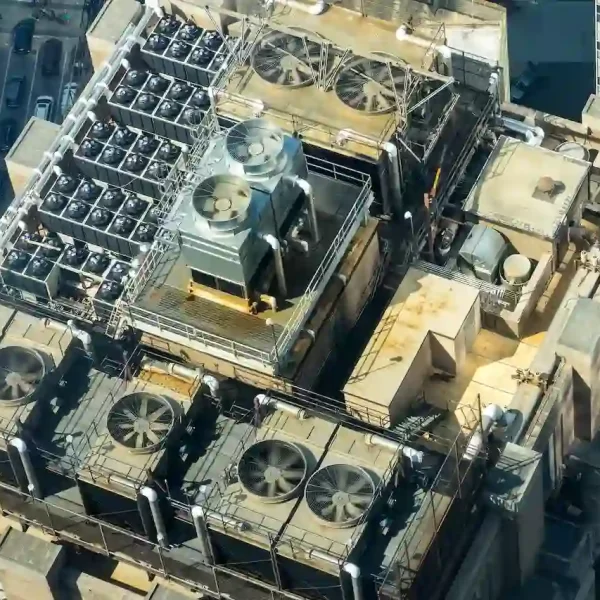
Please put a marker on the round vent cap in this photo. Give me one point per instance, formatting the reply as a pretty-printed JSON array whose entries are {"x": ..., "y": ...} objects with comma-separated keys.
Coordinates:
[
  {"x": 147, "y": 144},
  {"x": 135, "y": 206},
  {"x": 54, "y": 202},
  {"x": 109, "y": 291},
  {"x": 21, "y": 372},
  {"x": 168, "y": 152},
  {"x": 200, "y": 99},
  {"x": 157, "y": 43},
  {"x": 212, "y": 40},
  {"x": 100, "y": 217},
  {"x": 168, "y": 25},
  {"x": 146, "y": 232},
  {"x": 193, "y": 116},
  {"x": 179, "y": 50},
  {"x": 90, "y": 148},
  {"x": 17, "y": 260},
  {"x": 190, "y": 32},
  {"x": 66, "y": 184},
  {"x": 146, "y": 102},
  {"x": 112, "y": 155},
  {"x": 201, "y": 57},
  {"x": 169, "y": 110},
  {"x": 123, "y": 225},
  {"x": 89, "y": 190},
  {"x": 179, "y": 91},
  {"x": 101, "y": 130},
  {"x": 112, "y": 198},
  {"x": 124, "y": 137},
  {"x": 124, "y": 95},
  {"x": 52, "y": 246},
  {"x": 135, "y": 163},
  {"x": 77, "y": 210},
  {"x": 157, "y": 84},
  {"x": 75, "y": 255},
  {"x": 136, "y": 77},
  {"x": 158, "y": 171},
  {"x": 97, "y": 263}
]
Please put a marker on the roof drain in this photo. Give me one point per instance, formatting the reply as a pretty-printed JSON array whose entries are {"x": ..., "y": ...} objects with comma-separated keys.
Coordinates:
[
  {"x": 159, "y": 524},
  {"x": 534, "y": 135},
  {"x": 491, "y": 414},
  {"x": 199, "y": 519},
  {"x": 415, "y": 456},
  {"x": 33, "y": 486},
  {"x": 266, "y": 401},
  {"x": 307, "y": 189},
  {"x": 278, "y": 257}
]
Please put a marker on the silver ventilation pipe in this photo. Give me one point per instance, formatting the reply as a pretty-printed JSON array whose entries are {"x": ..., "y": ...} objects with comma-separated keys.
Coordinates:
[
  {"x": 278, "y": 257},
  {"x": 534, "y": 135},
  {"x": 266, "y": 401},
  {"x": 33, "y": 485},
  {"x": 159, "y": 524},
  {"x": 312, "y": 9},
  {"x": 199, "y": 518},
  {"x": 308, "y": 191},
  {"x": 491, "y": 414},
  {"x": 83, "y": 336},
  {"x": 354, "y": 572},
  {"x": 415, "y": 456}
]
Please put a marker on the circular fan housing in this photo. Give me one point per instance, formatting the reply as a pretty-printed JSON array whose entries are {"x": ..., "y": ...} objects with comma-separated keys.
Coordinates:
[
  {"x": 222, "y": 202},
  {"x": 179, "y": 91},
  {"x": 101, "y": 130},
  {"x": 286, "y": 60},
  {"x": 157, "y": 84},
  {"x": 124, "y": 137},
  {"x": 123, "y": 225},
  {"x": 272, "y": 470},
  {"x": 17, "y": 260},
  {"x": 52, "y": 246},
  {"x": 193, "y": 116},
  {"x": 340, "y": 494},
  {"x": 212, "y": 40},
  {"x": 109, "y": 291},
  {"x": 97, "y": 263},
  {"x": 100, "y": 217},
  {"x": 135, "y": 163},
  {"x": 90, "y": 148},
  {"x": 75, "y": 255},
  {"x": 112, "y": 198},
  {"x": 169, "y": 110},
  {"x": 21, "y": 372},
  {"x": 255, "y": 148},
  {"x": 112, "y": 155},
  {"x": 136, "y": 78},
  {"x": 200, "y": 99},
  {"x": 146, "y": 102},
  {"x": 179, "y": 50},
  {"x": 201, "y": 57},
  {"x": 153, "y": 214},
  {"x": 168, "y": 152},
  {"x": 77, "y": 210},
  {"x": 89, "y": 191},
  {"x": 140, "y": 422},
  {"x": 218, "y": 61},
  {"x": 54, "y": 202},
  {"x": 146, "y": 232},
  {"x": 168, "y": 25},
  {"x": 135, "y": 206},
  {"x": 157, "y": 43},
  {"x": 369, "y": 86},
  {"x": 39, "y": 267},
  {"x": 190, "y": 32},
  {"x": 124, "y": 95},
  {"x": 66, "y": 184},
  {"x": 147, "y": 144},
  {"x": 158, "y": 171},
  {"x": 118, "y": 272}
]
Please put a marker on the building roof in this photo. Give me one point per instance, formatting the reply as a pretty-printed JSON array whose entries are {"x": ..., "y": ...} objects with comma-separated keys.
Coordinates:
[{"x": 505, "y": 193}]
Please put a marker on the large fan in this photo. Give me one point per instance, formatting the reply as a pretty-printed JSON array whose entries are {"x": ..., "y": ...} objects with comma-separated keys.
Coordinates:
[
  {"x": 272, "y": 470},
  {"x": 141, "y": 422},
  {"x": 369, "y": 86},
  {"x": 222, "y": 202},
  {"x": 286, "y": 60},
  {"x": 255, "y": 145},
  {"x": 340, "y": 494},
  {"x": 21, "y": 371}
]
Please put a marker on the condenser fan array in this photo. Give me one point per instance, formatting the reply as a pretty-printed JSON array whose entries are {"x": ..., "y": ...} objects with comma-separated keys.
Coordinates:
[
  {"x": 272, "y": 470},
  {"x": 286, "y": 60},
  {"x": 340, "y": 494},
  {"x": 141, "y": 422},
  {"x": 21, "y": 371},
  {"x": 369, "y": 86}
]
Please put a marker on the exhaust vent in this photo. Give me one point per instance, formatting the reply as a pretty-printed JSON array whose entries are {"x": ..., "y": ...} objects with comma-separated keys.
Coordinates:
[
  {"x": 21, "y": 371},
  {"x": 272, "y": 470}
]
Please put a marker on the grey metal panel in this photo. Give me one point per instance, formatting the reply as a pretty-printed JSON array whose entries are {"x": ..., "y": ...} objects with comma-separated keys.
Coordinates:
[{"x": 483, "y": 250}]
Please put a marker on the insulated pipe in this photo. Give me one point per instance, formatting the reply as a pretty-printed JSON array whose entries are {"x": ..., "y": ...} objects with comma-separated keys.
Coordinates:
[
  {"x": 415, "y": 456},
  {"x": 491, "y": 414},
  {"x": 21, "y": 447},
  {"x": 354, "y": 572},
  {"x": 199, "y": 519},
  {"x": 534, "y": 135},
  {"x": 265, "y": 401},
  {"x": 307, "y": 189},
  {"x": 312, "y": 9},
  {"x": 403, "y": 35},
  {"x": 278, "y": 256},
  {"x": 83, "y": 336},
  {"x": 159, "y": 524}
]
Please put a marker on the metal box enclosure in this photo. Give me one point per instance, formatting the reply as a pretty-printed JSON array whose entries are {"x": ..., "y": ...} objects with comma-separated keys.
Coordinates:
[{"x": 483, "y": 251}]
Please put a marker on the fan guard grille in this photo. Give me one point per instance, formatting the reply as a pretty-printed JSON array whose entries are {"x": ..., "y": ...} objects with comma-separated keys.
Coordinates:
[
  {"x": 339, "y": 495},
  {"x": 140, "y": 422},
  {"x": 370, "y": 86},
  {"x": 21, "y": 371},
  {"x": 272, "y": 470}
]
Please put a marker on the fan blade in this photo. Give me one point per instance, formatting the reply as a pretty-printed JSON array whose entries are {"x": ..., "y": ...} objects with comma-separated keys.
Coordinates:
[
  {"x": 272, "y": 488},
  {"x": 295, "y": 75},
  {"x": 361, "y": 499},
  {"x": 290, "y": 460},
  {"x": 275, "y": 456},
  {"x": 260, "y": 463},
  {"x": 342, "y": 479},
  {"x": 160, "y": 426},
  {"x": 322, "y": 499},
  {"x": 292, "y": 473},
  {"x": 285, "y": 485},
  {"x": 358, "y": 485},
  {"x": 26, "y": 387},
  {"x": 5, "y": 391},
  {"x": 129, "y": 435},
  {"x": 158, "y": 413},
  {"x": 33, "y": 377},
  {"x": 328, "y": 511},
  {"x": 139, "y": 440},
  {"x": 144, "y": 407},
  {"x": 353, "y": 511},
  {"x": 339, "y": 515},
  {"x": 152, "y": 436},
  {"x": 282, "y": 78},
  {"x": 14, "y": 391}
]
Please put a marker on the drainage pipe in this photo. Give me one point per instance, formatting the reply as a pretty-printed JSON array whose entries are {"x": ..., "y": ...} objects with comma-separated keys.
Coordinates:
[
  {"x": 199, "y": 519},
  {"x": 534, "y": 135},
  {"x": 278, "y": 256},
  {"x": 354, "y": 572},
  {"x": 415, "y": 456},
  {"x": 33, "y": 485},
  {"x": 308, "y": 191},
  {"x": 159, "y": 524},
  {"x": 491, "y": 414},
  {"x": 266, "y": 401}
]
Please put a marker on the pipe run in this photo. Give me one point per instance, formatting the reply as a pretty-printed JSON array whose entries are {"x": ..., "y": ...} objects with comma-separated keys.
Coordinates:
[
  {"x": 32, "y": 481},
  {"x": 312, "y": 9},
  {"x": 308, "y": 191},
  {"x": 278, "y": 257},
  {"x": 199, "y": 518},
  {"x": 354, "y": 572},
  {"x": 159, "y": 524},
  {"x": 403, "y": 34},
  {"x": 491, "y": 414},
  {"x": 415, "y": 456},
  {"x": 266, "y": 401},
  {"x": 534, "y": 135}
]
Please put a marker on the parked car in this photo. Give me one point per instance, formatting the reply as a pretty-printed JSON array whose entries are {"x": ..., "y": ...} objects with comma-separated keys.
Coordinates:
[
  {"x": 51, "y": 57},
  {"x": 8, "y": 134},
  {"x": 14, "y": 92},
  {"x": 67, "y": 99},
  {"x": 43, "y": 107},
  {"x": 23, "y": 36}
]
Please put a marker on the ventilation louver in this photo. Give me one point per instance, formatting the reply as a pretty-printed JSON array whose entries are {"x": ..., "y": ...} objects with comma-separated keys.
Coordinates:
[
  {"x": 140, "y": 422},
  {"x": 222, "y": 202},
  {"x": 369, "y": 86},
  {"x": 339, "y": 495},
  {"x": 272, "y": 470},
  {"x": 21, "y": 371}
]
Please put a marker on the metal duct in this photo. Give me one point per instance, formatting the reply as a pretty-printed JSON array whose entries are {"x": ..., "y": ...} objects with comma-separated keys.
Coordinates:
[
  {"x": 278, "y": 257},
  {"x": 491, "y": 414},
  {"x": 159, "y": 524},
  {"x": 199, "y": 519},
  {"x": 534, "y": 135},
  {"x": 265, "y": 401},
  {"x": 21, "y": 447}
]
